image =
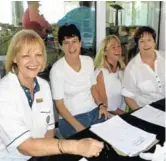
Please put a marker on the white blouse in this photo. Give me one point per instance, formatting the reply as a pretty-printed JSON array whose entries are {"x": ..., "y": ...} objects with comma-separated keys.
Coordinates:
[
  {"x": 142, "y": 83},
  {"x": 113, "y": 88}
]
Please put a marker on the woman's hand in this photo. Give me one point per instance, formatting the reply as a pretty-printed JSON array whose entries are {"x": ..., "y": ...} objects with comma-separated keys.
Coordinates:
[
  {"x": 103, "y": 111},
  {"x": 89, "y": 147}
]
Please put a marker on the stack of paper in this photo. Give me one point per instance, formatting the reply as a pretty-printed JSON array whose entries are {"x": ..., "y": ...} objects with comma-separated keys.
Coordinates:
[
  {"x": 152, "y": 115},
  {"x": 124, "y": 137}
]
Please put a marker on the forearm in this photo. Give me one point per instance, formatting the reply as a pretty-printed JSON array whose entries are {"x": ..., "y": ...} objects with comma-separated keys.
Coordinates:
[
  {"x": 64, "y": 112},
  {"x": 96, "y": 95},
  {"x": 117, "y": 112},
  {"x": 47, "y": 146},
  {"x": 131, "y": 103}
]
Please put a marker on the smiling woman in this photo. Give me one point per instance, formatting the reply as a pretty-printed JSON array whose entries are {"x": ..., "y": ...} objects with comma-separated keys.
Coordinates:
[
  {"x": 26, "y": 113},
  {"x": 144, "y": 77},
  {"x": 73, "y": 85}
]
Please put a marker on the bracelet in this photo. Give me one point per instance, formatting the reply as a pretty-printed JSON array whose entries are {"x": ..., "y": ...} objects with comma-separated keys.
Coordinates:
[
  {"x": 62, "y": 149},
  {"x": 102, "y": 104},
  {"x": 59, "y": 147}
]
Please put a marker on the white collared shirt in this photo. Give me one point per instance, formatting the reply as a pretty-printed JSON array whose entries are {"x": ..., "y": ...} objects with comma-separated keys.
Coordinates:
[
  {"x": 142, "y": 83},
  {"x": 18, "y": 121}
]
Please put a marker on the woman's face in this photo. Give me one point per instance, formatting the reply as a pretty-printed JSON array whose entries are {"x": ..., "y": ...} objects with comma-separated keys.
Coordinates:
[
  {"x": 29, "y": 61},
  {"x": 146, "y": 44},
  {"x": 114, "y": 50},
  {"x": 71, "y": 46}
]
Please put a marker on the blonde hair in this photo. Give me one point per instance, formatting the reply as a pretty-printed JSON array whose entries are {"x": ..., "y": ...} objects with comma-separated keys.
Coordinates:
[
  {"x": 101, "y": 59},
  {"x": 21, "y": 38}
]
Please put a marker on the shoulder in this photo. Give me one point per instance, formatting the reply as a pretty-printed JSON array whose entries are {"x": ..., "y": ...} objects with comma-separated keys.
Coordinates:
[
  {"x": 101, "y": 70},
  {"x": 86, "y": 58},
  {"x": 160, "y": 55},
  {"x": 58, "y": 69},
  {"x": 134, "y": 62},
  {"x": 43, "y": 82},
  {"x": 58, "y": 65},
  {"x": 8, "y": 84}
]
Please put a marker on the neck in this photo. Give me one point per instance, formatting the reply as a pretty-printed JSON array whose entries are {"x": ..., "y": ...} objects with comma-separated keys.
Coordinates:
[
  {"x": 113, "y": 65},
  {"x": 27, "y": 82},
  {"x": 148, "y": 57},
  {"x": 72, "y": 61}
]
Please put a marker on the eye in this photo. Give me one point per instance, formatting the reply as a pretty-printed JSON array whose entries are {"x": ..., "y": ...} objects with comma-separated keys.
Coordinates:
[
  {"x": 25, "y": 56},
  {"x": 39, "y": 54},
  {"x": 65, "y": 43},
  {"x": 74, "y": 41}
]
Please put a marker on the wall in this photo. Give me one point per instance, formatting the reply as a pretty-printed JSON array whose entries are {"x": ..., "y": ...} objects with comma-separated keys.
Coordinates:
[
  {"x": 100, "y": 22},
  {"x": 162, "y": 28}
]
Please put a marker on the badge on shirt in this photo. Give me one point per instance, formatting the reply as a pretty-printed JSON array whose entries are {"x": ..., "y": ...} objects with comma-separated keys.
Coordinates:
[
  {"x": 48, "y": 119},
  {"x": 39, "y": 100}
]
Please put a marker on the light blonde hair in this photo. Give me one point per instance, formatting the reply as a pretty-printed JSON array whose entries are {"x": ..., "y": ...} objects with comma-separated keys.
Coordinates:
[
  {"x": 24, "y": 37},
  {"x": 101, "y": 59}
]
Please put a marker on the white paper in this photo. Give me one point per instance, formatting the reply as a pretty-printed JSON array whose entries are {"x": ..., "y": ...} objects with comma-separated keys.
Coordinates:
[
  {"x": 152, "y": 115},
  {"x": 123, "y": 136},
  {"x": 83, "y": 159}
]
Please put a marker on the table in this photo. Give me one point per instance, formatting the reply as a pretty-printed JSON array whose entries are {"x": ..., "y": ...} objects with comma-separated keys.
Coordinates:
[{"x": 108, "y": 153}]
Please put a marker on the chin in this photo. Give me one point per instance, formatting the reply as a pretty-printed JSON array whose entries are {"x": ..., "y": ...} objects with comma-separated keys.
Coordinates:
[{"x": 32, "y": 75}]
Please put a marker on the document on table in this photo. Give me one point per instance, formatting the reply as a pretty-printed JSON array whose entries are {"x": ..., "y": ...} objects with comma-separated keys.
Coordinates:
[
  {"x": 124, "y": 137},
  {"x": 152, "y": 115},
  {"x": 83, "y": 159}
]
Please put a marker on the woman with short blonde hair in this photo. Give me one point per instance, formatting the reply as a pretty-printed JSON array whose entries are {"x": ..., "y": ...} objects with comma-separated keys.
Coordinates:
[
  {"x": 21, "y": 39},
  {"x": 27, "y": 121}
]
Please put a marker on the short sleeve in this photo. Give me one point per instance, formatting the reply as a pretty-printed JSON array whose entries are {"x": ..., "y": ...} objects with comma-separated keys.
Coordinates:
[
  {"x": 129, "y": 87},
  {"x": 13, "y": 131},
  {"x": 57, "y": 83}
]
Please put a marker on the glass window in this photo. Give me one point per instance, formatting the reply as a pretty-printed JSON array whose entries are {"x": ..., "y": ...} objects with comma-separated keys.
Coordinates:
[{"x": 123, "y": 18}]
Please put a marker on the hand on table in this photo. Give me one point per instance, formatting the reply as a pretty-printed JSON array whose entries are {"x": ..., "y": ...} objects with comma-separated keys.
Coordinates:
[{"x": 89, "y": 147}]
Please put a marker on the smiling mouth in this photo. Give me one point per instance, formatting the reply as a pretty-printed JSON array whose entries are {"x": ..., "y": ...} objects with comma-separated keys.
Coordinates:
[
  {"x": 32, "y": 68},
  {"x": 147, "y": 49}
]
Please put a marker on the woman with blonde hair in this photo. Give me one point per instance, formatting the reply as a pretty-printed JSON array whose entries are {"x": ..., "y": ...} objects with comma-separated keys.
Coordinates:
[
  {"x": 26, "y": 106},
  {"x": 109, "y": 73}
]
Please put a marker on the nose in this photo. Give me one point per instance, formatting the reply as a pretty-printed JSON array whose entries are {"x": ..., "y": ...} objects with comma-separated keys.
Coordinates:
[
  {"x": 34, "y": 60},
  {"x": 71, "y": 47},
  {"x": 118, "y": 49}
]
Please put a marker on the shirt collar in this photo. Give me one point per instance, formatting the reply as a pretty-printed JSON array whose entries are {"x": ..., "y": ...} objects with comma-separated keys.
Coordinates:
[
  {"x": 36, "y": 86},
  {"x": 139, "y": 60}
]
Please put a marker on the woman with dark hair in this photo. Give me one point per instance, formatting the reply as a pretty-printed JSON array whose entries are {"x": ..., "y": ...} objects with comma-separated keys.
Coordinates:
[
  {"x": 73, "y": 85},
  {"x": 144, "y": 77}
]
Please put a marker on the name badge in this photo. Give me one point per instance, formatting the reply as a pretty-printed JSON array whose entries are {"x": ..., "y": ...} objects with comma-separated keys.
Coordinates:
[{"x": 39, "y": 100}]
